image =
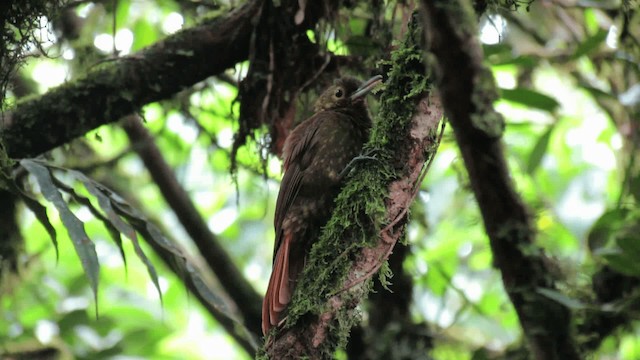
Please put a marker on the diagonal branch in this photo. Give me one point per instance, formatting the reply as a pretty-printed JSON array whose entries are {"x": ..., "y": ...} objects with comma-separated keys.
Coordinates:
[
  {"x": 168, "y": 256},
  {"x": 468, "y": 91},
  {"x": 118, "y": 88},
  {"x": 243, "y": 294}
]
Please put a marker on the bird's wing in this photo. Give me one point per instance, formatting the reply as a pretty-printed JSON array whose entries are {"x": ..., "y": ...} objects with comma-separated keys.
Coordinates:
[{"x": 299, "y": 153}]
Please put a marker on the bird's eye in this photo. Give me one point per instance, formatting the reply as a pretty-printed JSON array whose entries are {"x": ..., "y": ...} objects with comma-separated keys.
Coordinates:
[{"x": 339, "y": 93}]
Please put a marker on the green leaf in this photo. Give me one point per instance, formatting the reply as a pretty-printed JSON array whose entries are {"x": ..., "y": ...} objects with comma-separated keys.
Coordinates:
[
  {"x": 496, "y": 49},
  {"x": 522, "y": 61},
  {"x": 84, "y": 247},
  {"x": 630, "y": 245},
  {"x": 144, "y": 34},
  {"x": 41, "y": 214},
  {"x": 561, "y": 298},
  {"x": 591, "y": 43},
  {"x": 622, "y": 263},
  {"x": 530, "y": 98},
  {"x": 72, "y": 319},
  {"x": 604, "y": 229},
  {"x": 153, "y": 235},
  {"x": 113, "y": 232},
  {"x": 536, "y": 155},
  {"x": 122, "y": 13},
  {"x": 117, "y": 207},
  {"x": 597, "y": 93},
  {"x": 104, "y": 200}
]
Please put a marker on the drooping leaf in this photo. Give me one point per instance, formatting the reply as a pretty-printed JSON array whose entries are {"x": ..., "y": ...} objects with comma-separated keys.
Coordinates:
[
  {"x": 83, "y": 245},
  {"x": 604, "y": 229},
  {"x": 104, "y": 200},
  {"x": 623, "y": 263},
  {"x": 122, "y": 13},
  {"x": 596, "y": 92},
  {"x": 145, "y": 33},
  {"x": 591, "y": 43},
  {"x": 561, "y": 298},
  {"x": 153, "y": 235},
  {"x": 522, "y": 61},
  {"x": 536, "y": 155},
  {"x": 630, "y": 244},
  {"x": 530, "y": 98},
  {"x": 111, "y": 229},
  {"x": 40, "y": 213},
  {"x": 501, "y": 49}
]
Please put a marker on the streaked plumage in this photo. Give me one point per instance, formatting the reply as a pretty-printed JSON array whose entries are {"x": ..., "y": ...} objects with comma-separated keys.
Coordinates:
[{"x": 315, "y": 153}]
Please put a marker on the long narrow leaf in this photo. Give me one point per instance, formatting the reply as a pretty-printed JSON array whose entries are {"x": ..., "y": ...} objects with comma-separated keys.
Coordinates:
[
  {"x": 113, "y": 232},
  {"x": 530, "y": 98},
  {"x": 41, "y": 214},
  {"x": 155, "y": 236},
  {"x": 591, "y": 43},
  {"x": 536, "y": 155},
  {"x": 84, "y": 247},
  {"x": 104, "y": 200}
]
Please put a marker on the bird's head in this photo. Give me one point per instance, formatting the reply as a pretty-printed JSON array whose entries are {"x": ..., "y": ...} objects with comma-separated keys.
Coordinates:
[{"x": 345, "y": 92}]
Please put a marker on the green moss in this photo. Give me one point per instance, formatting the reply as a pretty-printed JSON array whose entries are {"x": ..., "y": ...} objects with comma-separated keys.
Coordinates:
[
  {"x": 360, "y": 208},
  {"x": 485, "y": 118},
  {"x": 5, "y": 168}
]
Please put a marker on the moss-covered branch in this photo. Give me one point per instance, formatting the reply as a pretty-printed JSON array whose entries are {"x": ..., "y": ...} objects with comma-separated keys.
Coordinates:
[
  {"x": 370, "y": 214},
  {"x": 468, "y": 92},
  {"x": 120, "y": 87}
]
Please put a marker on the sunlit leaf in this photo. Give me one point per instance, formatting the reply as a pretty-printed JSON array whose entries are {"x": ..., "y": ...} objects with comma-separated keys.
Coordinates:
[
  {"x": 153, "y": 235},
  {"x": 536, "y": 155},
  {"x": 111, "y": 229},
  {"x": 561, "y": 298},
  {"x": 40, "y": 213},
  {"x": 530, "y": 98},
  {"x": 597, "y": 93},
  {"x": 105, "y": 202},
  {"x": 522, "y": 61},
  {"x": 591, "y": 43},
  {"x": 605, "y": 228},
  {"x": 496, "y": 49},
  {"x": 83, "y": 245},
  {"x": 144, "y": 34},
  {"x": 122, "y": 12}
]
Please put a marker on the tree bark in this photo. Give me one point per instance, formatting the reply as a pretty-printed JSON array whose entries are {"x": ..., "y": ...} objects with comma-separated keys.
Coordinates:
[{"x": 468, "y": 92}]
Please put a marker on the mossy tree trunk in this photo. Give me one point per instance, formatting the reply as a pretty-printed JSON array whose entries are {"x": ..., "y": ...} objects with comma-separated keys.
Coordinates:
[{"x": 370, "y": 216}]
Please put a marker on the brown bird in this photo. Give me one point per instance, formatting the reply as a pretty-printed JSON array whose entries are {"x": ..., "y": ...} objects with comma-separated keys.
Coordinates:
[{"x": 316, "y": 154}]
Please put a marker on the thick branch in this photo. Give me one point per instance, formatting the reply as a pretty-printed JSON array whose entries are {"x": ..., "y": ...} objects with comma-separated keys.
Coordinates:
[
  {"x": 118, "y": 88},
  {"x": 246, "y": 298},
  {"x": 467, "y": 92}
]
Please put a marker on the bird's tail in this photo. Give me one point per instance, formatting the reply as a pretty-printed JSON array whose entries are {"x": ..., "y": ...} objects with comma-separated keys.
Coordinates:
[{"x": 279, "y": 290}]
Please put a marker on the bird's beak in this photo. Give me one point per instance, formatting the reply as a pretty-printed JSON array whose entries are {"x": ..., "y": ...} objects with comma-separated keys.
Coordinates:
[{"x": 366, "y": 87}]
